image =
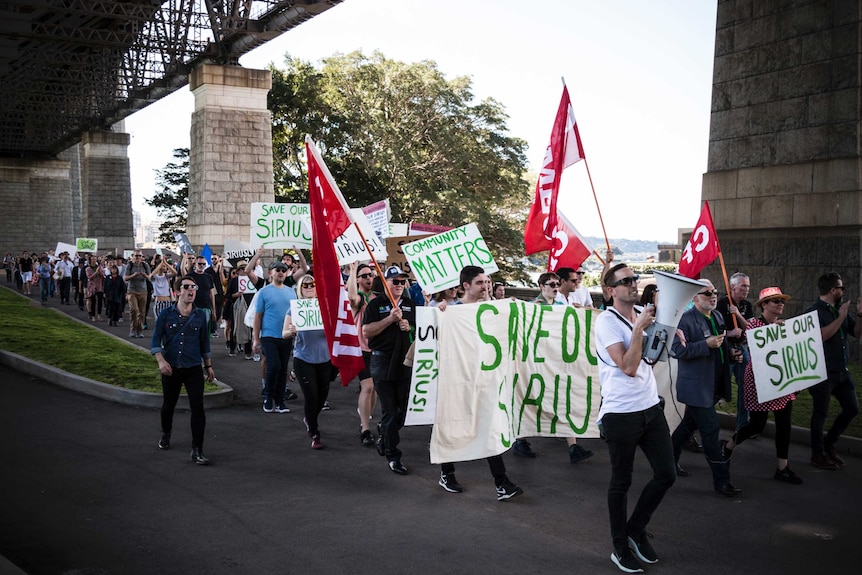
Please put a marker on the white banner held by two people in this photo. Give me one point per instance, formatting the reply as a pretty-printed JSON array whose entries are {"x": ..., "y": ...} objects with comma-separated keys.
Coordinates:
[
  {"x": 510, "y": 369},
  {"x": 437, "y": 261},
  {"x": 787, "y": 357}
]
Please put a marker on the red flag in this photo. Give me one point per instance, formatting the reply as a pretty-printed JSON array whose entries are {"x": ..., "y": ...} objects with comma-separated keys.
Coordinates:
[
  {"x": 564, "y": 149},
  {"x": 568, "y": 248},
  {"x": 329, "y": 212},
  {"x": 702, "y": 247}
]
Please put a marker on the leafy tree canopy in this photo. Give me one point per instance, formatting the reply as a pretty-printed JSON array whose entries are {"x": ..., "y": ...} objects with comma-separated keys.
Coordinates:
[
  {"x": 401, "y": 131},
  {"x": 171, "y": 200}
]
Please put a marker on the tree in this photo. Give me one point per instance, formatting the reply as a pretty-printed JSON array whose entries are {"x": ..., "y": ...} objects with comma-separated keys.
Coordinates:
[
  {"x": 172, "y": 199},
  {"x": 401, "y": 131}
]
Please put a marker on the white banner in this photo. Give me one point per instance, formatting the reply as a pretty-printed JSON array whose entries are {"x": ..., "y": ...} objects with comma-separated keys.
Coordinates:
[
  {"x": 279, "y": 225},
  {"x": 513, "y": 369},
  {"x": 245, "y": 285},
  {"x": 305, "y": 314},
  {"x": 62, "y": 247},
  {"x": 349, "y": 247},
  {"x": 787, "y": 357},
  {"x": 422, "y": 402},
  {"x": 436, "y": 261}
]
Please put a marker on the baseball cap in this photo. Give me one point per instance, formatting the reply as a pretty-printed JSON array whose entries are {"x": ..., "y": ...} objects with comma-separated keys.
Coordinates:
[
  {"x": 394, "y": 272},
  {"x": 278, "y": 265}
]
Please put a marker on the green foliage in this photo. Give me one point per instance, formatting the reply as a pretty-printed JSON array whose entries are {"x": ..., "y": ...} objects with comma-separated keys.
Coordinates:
[
  {"x": 401, "y": 131},
  {"x": 55, "y": 339},
  {"x": 172, "y": 198}
]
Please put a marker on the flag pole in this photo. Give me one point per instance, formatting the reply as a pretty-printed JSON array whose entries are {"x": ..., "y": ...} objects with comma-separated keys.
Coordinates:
[
  {"x": 377, "y": 267},
  {"x": 726, "y": 282}
]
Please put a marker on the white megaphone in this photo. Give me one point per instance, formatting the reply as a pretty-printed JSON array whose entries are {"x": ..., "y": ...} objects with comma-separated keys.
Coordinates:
[{"x": 675, "y": 291}]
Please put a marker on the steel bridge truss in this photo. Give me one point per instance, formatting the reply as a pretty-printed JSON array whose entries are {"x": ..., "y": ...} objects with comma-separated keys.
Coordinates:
[{"x": 72, "y": 66}]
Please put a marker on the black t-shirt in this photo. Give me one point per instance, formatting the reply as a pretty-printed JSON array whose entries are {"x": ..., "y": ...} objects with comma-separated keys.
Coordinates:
[
  {"x": 233, "y": 287},
  {"x": 835, "y": 348},
  {"x": 389, "y": 339},
  {"x": 26, "y": 265},
  {"x": 216, "y": 281},
  {"x": 745, "y": 308},
  {"x": 203, "y": 299}
]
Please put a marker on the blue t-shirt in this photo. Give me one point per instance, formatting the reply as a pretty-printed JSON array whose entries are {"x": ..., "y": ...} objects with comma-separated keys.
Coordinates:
[
  {"x": 311, "y": 347},
  {"x": 274, "y": 304}
]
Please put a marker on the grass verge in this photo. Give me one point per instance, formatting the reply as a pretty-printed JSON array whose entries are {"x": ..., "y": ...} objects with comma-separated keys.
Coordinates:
[{"x": 54, "y": 339}]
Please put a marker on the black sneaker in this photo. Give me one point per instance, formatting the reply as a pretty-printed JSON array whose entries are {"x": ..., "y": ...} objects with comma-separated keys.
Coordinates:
[
  {"x": 522, "y": 448},
  {"x": 289, "y": 395},
  {"x": 507, "y": 490},
  {"x": 325, "y": 407},
  {"x": 268, "y": 406},
  {"x": 281, "y": 408},
  {"x": 449, "y": 483},
  {"x": 625, "y": 560},
  {"x": 165, "y": 441},
  {"x": 578, "y": 453},
  {"x": 197, "y": 456},
  {"x": 642, "y": 548},
  {"x": 787, "y": 476},
  {"x": 366, "y": 438},
  {"x": 397, "y": 467}
]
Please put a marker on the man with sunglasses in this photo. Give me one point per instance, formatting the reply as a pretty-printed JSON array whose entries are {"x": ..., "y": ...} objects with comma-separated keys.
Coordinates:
[
  {"x": 571, "y": 290},
  {"x": 836, "y": 323},
  {"x": 181, "y": 343},
  {"x": 631, "y": 417},
  {"x": 704, "y": 377},
  {"x": 389, "y": 330},
  {"x": 359, "y": 293}
]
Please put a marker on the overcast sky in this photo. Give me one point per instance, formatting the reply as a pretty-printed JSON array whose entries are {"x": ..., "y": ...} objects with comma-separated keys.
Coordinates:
[{"x": 639, "y": 74}]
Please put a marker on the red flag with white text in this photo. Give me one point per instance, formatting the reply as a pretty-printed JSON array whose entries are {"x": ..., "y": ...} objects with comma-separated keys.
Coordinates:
[
  {"x": 564, "y": 149},
  {"x": 330, "y": 216},
  {"x": 568, "y": 247},
  {"x": 702, "y": 247}
]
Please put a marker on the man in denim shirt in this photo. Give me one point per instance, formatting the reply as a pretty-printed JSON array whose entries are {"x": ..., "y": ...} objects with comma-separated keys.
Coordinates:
[{"x": 181, "y": 343}]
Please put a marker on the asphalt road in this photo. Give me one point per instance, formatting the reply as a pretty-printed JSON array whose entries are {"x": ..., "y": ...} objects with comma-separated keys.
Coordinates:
[{"x": 85, "y": 491}]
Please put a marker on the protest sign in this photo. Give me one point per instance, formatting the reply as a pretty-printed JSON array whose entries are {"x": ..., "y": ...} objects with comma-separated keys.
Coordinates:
[
  {"x": 63, "y": 247},
  {"x": 305, "y": 314},
  {"x": 349, "y": 247},
  {"x": 183, "y": 243},
  {"x": 510, "y": 369},
  {"x": 419, "y": 229},
  {"x": 436, "y": 261},
  {"x": 787, "y": 357},
  {"x": 395, "y": 256},
  {"x": 245, "y": 285},
  {"x": 90, "y": 245},
  {"x": 235, "y": 251},
  {"x": 378, "y": 215},
  {"x": 422, "y": 401},
  {"x": 279, "y": 225},
  {"x": 396, "y": 229}
]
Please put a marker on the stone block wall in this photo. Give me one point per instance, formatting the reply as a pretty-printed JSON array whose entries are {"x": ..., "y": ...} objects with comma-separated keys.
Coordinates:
[
  {"x": 106, "y": 190},
  {"x": 231, "y": 152},
  {"x": 36, "y": 205}
]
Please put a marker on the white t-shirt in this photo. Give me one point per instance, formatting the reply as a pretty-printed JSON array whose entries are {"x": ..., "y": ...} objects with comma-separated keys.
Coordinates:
[{"x": 621, "y": 393}]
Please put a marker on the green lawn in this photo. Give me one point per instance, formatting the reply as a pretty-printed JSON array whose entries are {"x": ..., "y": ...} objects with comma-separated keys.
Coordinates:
[
  {"x": 802, "y": 406},
  {"x": 52, "y": 338}
]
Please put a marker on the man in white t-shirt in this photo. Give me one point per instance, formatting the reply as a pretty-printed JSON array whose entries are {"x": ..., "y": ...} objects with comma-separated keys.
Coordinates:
[
  {"x": 631, "y": 417},
  {"x": 571, "y": 290}
]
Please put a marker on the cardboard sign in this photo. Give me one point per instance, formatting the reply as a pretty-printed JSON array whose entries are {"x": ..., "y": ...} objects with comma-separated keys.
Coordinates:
[
  {"x": 787, "y": 357},
  {"x": 305, "y": 314},
  {"x": 422, "y": 401},
  {"x": 349, "y": 247},
  {"x": 279, "y": 225},
  {"x": 395, "y": 256},
  {"x": 90, "y": 245},
  {"x": 378, "y": 215},
  {"x": 436, "y": 261}
]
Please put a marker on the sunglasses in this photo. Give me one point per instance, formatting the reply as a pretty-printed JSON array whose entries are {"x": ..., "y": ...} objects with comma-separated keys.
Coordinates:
[
  {"x": 192, "y": 287},
  {"x": 781, "y": 301},
  {"x": 708, "y": 293},
  {"x": 364, "y": 276},
  {"x": 399, "y": 282},
  {"x": 626, "y": 281},
  {"x": 552, "y": 284},
  {"x": 580, "y": 273},
  {"x": 308, "y": 285},
  {"x": 200, "y": 263}
]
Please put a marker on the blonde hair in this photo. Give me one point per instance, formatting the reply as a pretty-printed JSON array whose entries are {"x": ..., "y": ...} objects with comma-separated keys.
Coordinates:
[{"x": 301, "y": 283}]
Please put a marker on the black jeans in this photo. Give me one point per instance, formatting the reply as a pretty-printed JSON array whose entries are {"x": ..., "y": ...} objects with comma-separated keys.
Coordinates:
[
  {"x": 65, "y": 288},
  {"x": 393, "y": 395},
  {"x": 624, "y": 433},
  {"x": 705, "y": 420},
  {"x": 842, "y": 386},
  {"x": 495, "y": 464},
  {"x": 314, "y": 380},
  {"x": 277, "y": 352},
  {"x": 193, "y": 379},
  {"x": 757, "y": 423}
]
